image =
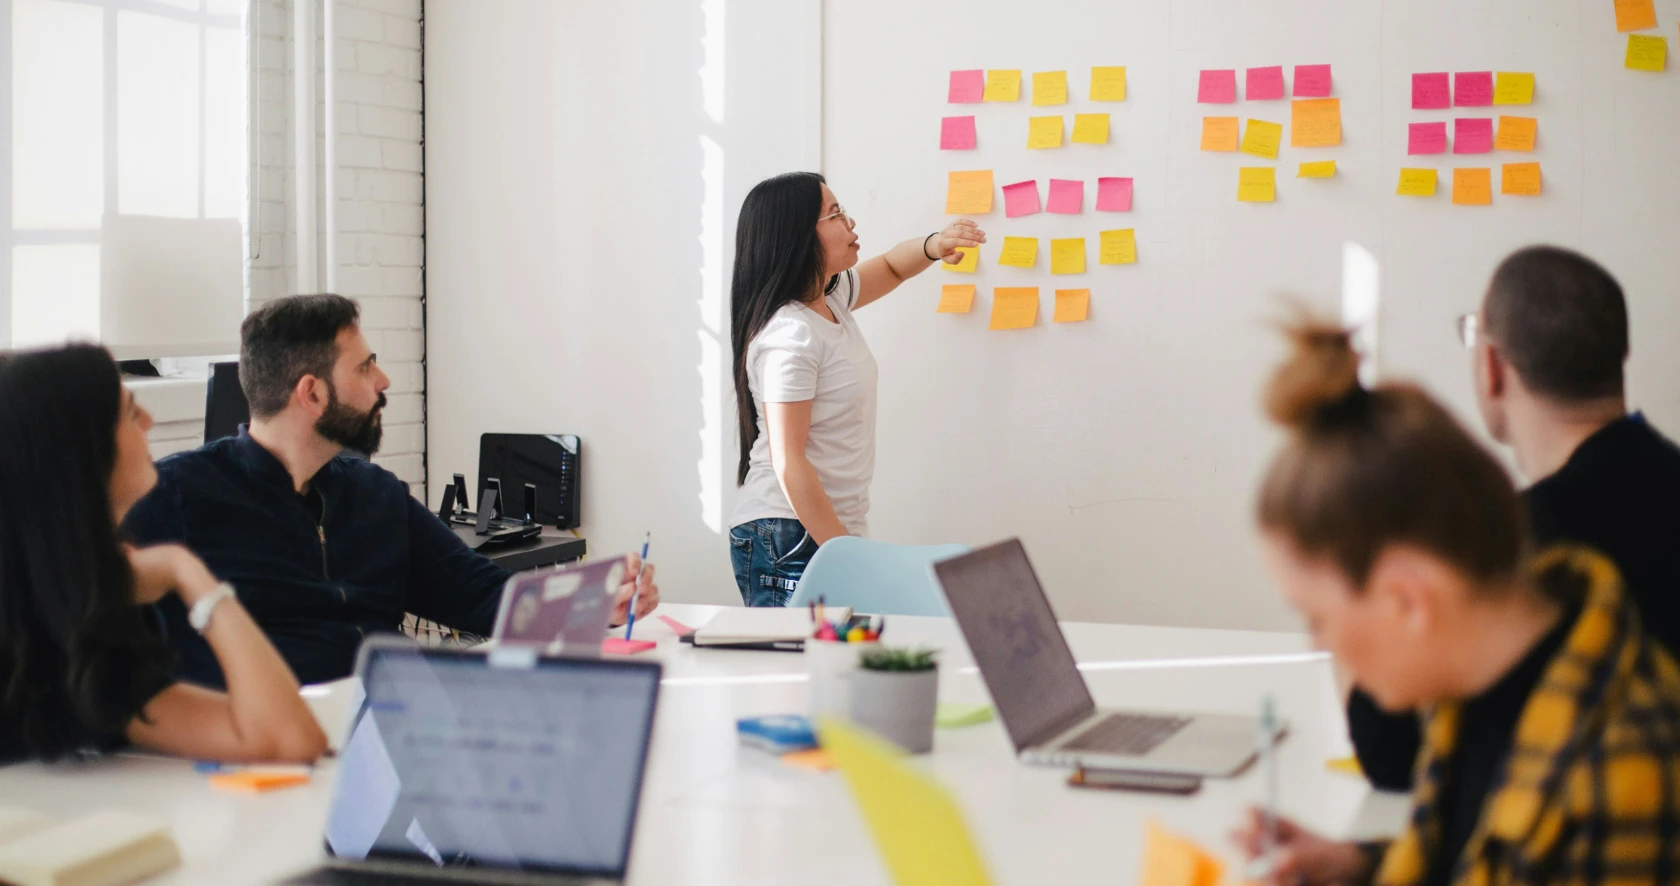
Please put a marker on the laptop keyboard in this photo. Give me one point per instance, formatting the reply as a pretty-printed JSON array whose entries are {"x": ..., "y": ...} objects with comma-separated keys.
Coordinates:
[{"x": 1129, "y": 734}]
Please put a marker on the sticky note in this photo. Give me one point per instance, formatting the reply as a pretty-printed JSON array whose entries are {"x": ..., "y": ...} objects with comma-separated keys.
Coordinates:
[
  {"x": 1020, "y": 198},
  {"x": 1473, "y": 187},
  {"x": 1014, "y": 307},
  {"x": 1431, "y": 91},
  {"x": 1516, "y": 134},
  {"x": 814, "y": 759},
  {"x": 1312, "y": 81},
  {"x": 1049, "y": 88},
  {"x": 1072, "y": 305},
  {"x": 1090, "y": 129},
  {"x": 1067, "y": 196},
  {"x": 1256, "y": 184},
  {"x": 1416, "y": 183},
  {"x": 1522, "y": 179},
  {"x": 967, "y": 87},
  {"x": 1108, "y": 84},
  {"x": 257, "y": 781},
  {"x": 1219, "y": 133},
  {"x": 1114, "y": 195},
  {"x": 1118, "y": 247},
  {"x": 1426, "y": 138},
  {"x": 1472, "y": 135},
  {"x": 1067, "y": 256},
  {"x": 1003, "y": 86},
  {"x": 956, "y": 134},
  {"x": 1315, "y": 123},
  {"x": 1217, "y": 87},
  {"x": 621, "y": 646},
  {"x": 1019, "y": 252},
  {"x": 1473, "y": 89},
  {"x": 1044, "y": 132},
  {"x": 1317, "y": 169},
  {"x": 969, "y": 193},
  {"x": 1646, "y": 53},
  {"x": 956, "y": 715},
  {"x": 1635, "y": 15},
  {"x": 1261, "y": 138},
  {"x": 1171, "y": 860},
  {"x": 956, "y": 298},
  {"x": 1513, "y": 89},
  {"x": 969, "y": 264},
  {"x": 1264, "y": 84},
  {"x": 678, "y": 627},
  {"x": 1345, "y": 766}
]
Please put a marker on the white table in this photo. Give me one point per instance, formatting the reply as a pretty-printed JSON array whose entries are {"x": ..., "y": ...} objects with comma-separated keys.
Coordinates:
[{"x": 714, "y": 812}]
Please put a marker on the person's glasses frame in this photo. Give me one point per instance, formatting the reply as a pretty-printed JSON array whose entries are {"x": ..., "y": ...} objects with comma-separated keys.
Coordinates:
[{"x": 839, "y": 213}]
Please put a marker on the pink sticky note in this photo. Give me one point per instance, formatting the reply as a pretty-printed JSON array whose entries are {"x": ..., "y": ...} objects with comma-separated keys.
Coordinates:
[
  {"x": 1020, "y": 198},
  {"x": 1431, "y": 91},
  {"x": 967, "y": 87},
  {"x": 621, "y": 646},
  {"x": 1067, "y": 196},
  {"x": 1312, "y": 81},
  {"x": 1265, "y": 84},
  {"x": 1217, "y": 87},
  {"x": 1473, "y": 89},
  {"x": 681, "y": 629},
  {"x": 1426, "y": 138},
  {"x": 956, "y": 134},
  {"x": 1114, "y": 195},
  {"x": 1472, "y": 135}
]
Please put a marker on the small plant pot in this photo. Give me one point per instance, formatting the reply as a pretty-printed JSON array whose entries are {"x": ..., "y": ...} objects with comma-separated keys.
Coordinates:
[{"x": 897, "y": 705}]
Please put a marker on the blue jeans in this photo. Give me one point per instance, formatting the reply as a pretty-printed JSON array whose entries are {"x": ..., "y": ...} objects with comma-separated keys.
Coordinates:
[{"x": 770, "y": 557}]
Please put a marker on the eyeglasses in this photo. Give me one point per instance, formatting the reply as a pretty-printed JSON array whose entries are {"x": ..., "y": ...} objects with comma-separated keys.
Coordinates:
[
  {"x": 1469, "y": 329},
  {"x": 839, "y": 213}
]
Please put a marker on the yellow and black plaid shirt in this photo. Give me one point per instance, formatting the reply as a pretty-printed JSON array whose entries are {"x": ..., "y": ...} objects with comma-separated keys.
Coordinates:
[{"x": 1590, "y": 793}]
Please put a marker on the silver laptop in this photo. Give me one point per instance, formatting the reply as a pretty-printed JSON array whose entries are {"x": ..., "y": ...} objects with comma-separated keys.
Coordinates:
[
  {"x": 560, "y": 611},
  {"x": 1041, "y": 696},
  {"x": 466, "y": 767}
]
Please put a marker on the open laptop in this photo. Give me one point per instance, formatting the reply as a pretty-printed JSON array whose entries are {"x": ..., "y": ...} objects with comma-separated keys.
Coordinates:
[
  {"x": 475, "y": 768},
  {"x": 1041, "y": 696},
  {"x": 563, "y": 611}
]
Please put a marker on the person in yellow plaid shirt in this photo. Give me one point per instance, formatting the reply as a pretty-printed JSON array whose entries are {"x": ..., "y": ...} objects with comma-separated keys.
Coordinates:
[{"x": 1552, "y": 739}]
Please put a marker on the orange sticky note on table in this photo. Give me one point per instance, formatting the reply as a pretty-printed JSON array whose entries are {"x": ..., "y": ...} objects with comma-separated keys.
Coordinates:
[
  {"x": 1315, "y": 123},
  {"x": 1172, "y": 860},
  {"x": 1522, "y": 179},
  {"x": 815, "y": 759},
  {"x": 956, "y": 298},
  {"x": 1473, "y": 186},
  {"x": 1219, "y": 133},
  {"x": 969, "y": 193},
  {"x": 1635, "y": 15},
  {"x": 1072, "y": 305},
  {"x": 1118, "y": 247},
  {"x": 1416, "y": 183},
  {"x": 1516, "y": 134},
  {"x": 970, "y": 261},
  {"x": 1014, "y": 307},
  {"x": 258, "y": 781}
]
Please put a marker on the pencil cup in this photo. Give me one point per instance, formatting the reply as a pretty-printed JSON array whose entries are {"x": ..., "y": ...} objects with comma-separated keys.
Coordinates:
[{"x": 830, "y": 665}]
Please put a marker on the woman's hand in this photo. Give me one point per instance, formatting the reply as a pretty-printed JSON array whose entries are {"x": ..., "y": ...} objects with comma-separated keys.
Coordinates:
[
  {"x": 162, "y": 569},
  {"x": 1300, "y": 857},
  {"x": 960, "y": 234}
]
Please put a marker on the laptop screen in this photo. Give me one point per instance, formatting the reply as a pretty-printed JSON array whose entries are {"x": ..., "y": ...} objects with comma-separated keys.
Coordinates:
[
  {"x": 456, "y": 761},
  {"x": 1012, "y": 632}
]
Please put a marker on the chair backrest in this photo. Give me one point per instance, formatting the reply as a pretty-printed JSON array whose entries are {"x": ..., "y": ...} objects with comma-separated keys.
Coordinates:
[
  {"x": 225, "y": 408},
  {"x": 876, "y": 577}
]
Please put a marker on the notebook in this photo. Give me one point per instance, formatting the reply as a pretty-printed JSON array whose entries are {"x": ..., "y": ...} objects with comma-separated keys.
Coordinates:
[
  {"x": 102, "y": 849},
  {"x": 763, "y": 628}
]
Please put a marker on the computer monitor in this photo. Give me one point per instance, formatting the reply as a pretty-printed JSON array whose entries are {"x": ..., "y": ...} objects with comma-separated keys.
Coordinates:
[{"x": 225, "y": 407}]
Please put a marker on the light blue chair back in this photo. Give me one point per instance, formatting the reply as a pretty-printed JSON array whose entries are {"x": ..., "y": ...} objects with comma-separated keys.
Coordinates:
[{"x": 875, "y": 577}]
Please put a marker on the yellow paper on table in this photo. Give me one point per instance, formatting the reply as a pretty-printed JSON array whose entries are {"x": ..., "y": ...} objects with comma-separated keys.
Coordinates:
[
  {"x": 1044, "y": 132},
  {"x": 1646, "y": 53},
  {"x": 1067, "y": 256},
  {"x": 1108, "y": 84},
  {"x": 970, "y": 261},
  {"x": 1521, "y": 179},
  {"x": 1315, "y": 123},
  {"x": 1118, "y": 247},
  {"x": 1516, "y": 134},
  {"x": 1019, "y": 252},
  {"x": 1072, "y": 305},
  {"x": 1513, "y": 88},
  {"x": 1090, "y": 129},
  {"x": 1050, "y": 88},
  {"x": 1262, "y": 139},
  {"x": 1416, "y": 183},
  {"x": 1317, "y": 169},
  {"x": 1172, "y": 860},
  {"x": 969, "y": 193},
  {"x": 1635, "y": 15},
  {"x": 1473, "y": 186},
  {"x": 1002, "y": 86},
  {"x": 1014, "y": 307},
  {"x": 1256, "y": 184},
  {"x": 956, "y": 298},
  {"x": 1219, "y": 133}
]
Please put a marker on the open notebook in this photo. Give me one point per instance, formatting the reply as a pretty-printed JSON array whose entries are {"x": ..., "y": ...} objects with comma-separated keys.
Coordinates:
[
  {"x": 102, "y": 849},
  {"x": 763, "y": 627}
]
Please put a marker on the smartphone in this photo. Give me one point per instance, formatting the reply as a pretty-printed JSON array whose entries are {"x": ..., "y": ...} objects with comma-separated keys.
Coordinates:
[{"x": 1127, "y": 780}]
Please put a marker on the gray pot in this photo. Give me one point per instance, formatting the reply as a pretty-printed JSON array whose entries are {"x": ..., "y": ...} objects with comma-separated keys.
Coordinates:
[{"x": 897, "y": 705}]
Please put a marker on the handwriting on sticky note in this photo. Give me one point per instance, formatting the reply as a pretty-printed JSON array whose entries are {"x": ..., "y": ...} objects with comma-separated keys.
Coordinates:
[
  {"x": 956, "y": 134},
  {"x": 1067, "y": 256},
  {"x": 1416, "y": 183},
  {"x": 1473, "y": 89},
  {"x": 621, "y": 646},
  {"x": 967, "y": 87},
  {"x": 1431, "y": 91},
  {"x": 1315, "y": 123},
  {"x": 1219, "y": 133},
  {"x": 1019, "y": 252},
  {"x": 1044, "y": 132},
  {"x": 970, "y": 261},
  {"x": 1049, "y": 88},
  {"x": 1108, "y": 84},
  {"x": 1262, "y": 138},
  {"x": 1014, "y": 307},
  {"x": 1635, "y": 15},
  {"x": 1473, "y": 187},
  {"x": 1317, "y": 169},
  {"x": 1256, "y": 184},
  {"x": 1516, "y": 134},
  {"x": 1510, "y": 88},
  {"x": 969, "y": 193},
  {"x": 1472, "y": 135},
  {"x": 1003, "y": 86},
  {"x": 1521, "y": 179},
  {"x": 1114, "y": 195},
  {"x": 1072, "y": 305},
  {"x": 1646, "y": 53},
  {"x": 1020, "y": 198},
  {"x": 956, "y": 298},
  {"x": 1090, "y": 129},
  {"x": 1217, "y": 87},
  {"x": 1067, "y": 196},
  {"x": 1171, "y": 860},
  {"x": 1426, "y": 138},
  {"x": 1264, "y": 84},
  {"x": 1117, "y": 247},
  {"x": 1312, "y": 81}
]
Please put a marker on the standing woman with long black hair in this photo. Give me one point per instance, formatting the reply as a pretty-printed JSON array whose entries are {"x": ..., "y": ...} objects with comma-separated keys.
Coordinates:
[{"x": 804, "y": 376}]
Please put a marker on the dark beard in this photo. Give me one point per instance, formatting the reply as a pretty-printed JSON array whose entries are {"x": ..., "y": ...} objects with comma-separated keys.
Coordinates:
[{"x": 356, "y": 431}]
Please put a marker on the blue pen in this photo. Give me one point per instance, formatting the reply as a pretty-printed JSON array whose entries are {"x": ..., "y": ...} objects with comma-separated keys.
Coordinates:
[{"x": 630, "y": 625}]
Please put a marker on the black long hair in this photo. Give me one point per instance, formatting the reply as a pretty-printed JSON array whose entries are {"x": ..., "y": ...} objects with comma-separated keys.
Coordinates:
[
  {"x": 76, "y": 656},
  {"x": 778, "y": 260}
]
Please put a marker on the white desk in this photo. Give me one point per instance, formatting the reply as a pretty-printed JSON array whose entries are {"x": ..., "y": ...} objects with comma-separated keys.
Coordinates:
[{"x": 716, "y": 813}]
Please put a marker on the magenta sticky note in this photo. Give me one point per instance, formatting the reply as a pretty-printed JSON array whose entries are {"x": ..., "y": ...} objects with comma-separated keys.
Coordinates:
[
  {"x": 1426, "y": 138},
  {"x": 1312, "y": 81},
  {"x": 1217, "y": 87},
  {"x": 681, "y": 629},
  {"x": 1114, "y": 195},
  {"x": 1067, "y": 196},
  {"x": 967, "y": 87},
  {"x": 1472, "y": 135},
  {"x": 1473, "y": 89},
  {"x": 1431, "y": 91},
  {"x": 1264, "y": 84},
  {"x": 621, "y": 646},
  {"x": 957, "y": 134},
  {"x": 1020, "y": 198}
]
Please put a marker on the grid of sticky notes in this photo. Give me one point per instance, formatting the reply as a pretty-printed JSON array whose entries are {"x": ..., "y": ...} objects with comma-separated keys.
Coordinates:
[
  {"x": 1472, "y": 133},
  {"x": 1315, "y": 121}
]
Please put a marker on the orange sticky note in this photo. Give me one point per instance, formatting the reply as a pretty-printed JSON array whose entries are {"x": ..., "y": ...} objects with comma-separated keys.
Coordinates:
[
  {"x": 970, "y": 261},
  {"x": 1416, "y": 183},
  {"x": 1219, "y": 133},
  {"x": 956, "y": 298},
  {"x": 1516, "y": 134},
  {"x": 815, "y": 759},
  {"x": 1072, "y": 305},
  {"x": 1522, "y": 179},
  {"x": 1635, "y": 15},
  {"x": 1014, "y": 307},
  {"x": 1473, "y": 186},
  {"x": 1172, "y": 860},
  {"x": 1315, "y": 123},
  {"x": 969, "y": 193},
  {"x": 258, "y": 781}
]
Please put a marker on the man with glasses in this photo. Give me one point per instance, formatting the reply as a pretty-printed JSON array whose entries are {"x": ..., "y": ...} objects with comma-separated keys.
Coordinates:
[{"x": 1548, "y": 347}]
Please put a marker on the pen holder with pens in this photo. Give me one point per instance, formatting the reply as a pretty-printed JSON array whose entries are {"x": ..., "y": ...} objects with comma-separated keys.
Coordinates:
[{"x": 831, "y": 664}]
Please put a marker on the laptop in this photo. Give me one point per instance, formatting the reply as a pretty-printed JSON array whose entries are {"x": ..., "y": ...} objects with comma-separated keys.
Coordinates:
[
  {"x": 464, "y": 767},
  {"x": 562, "y": 611},
  {"x": 1041, "y": 696}
]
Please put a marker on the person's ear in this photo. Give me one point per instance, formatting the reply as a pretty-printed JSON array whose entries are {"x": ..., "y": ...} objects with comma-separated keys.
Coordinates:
[
  {"x": 1494, "y": 372},
  {"x": 312, "y": 395},
  {"x": 1413, "y": 586}
]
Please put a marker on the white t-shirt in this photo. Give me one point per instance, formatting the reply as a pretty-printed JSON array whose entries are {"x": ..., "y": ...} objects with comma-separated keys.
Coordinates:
[{"x": 800, "y": 355}]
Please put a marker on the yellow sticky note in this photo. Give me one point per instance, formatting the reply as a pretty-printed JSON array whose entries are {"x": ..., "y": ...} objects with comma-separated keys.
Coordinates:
[
  {"x": 917, "y": 827},
  {"x": 1635, "y": 15},
  {"x": 1317, "y": 169},
  {"x": 1647, "y": 53},
  {"x": 1219, "y": 133},
  {"x": 1118, "y": 247},
  {"x": 1473, "y": 186},
  {"x": 1014, "y": 307},
  {"x": 1050, "y": 88},
  {"x": 1261, "y": 138},
  {"x": 1416, "y": 183},
  {"x": 1019, "y": 252},
  {"x": 970, "y": 261},
  {"x": 1072, "y": 305},
  {"x": 1345, "y": 766},
  {"x": 1003, "y": 86},
  {"x": 1516, "y": 134},
  {"x": 1067, "y": 256},
  {"x": 1044, "y": 132},
  {"x": 1090, "y": 129},
  {"x": 1171, "y": 860},
  {"x": 1108, "y": 84},
  {"x": 956, "y": 298},
  {"x": 1513, "y": 88},
  {"x": 1522, "y": 179},
  {"x": 1315, "y": 123},
  {"x": 1256, "y": 184},
  {"x": 969, "y": 193}
]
